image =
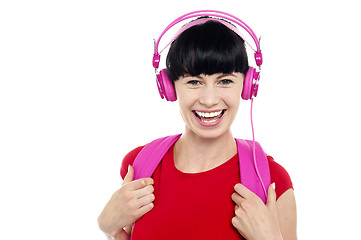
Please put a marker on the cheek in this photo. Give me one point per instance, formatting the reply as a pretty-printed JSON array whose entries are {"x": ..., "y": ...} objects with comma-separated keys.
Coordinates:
[
  {"x": 232, "y": 99},
  {"x": 185, "y": 97},
  {"x": 237, "y": 95},
  {"x": 185, "y": 103}
]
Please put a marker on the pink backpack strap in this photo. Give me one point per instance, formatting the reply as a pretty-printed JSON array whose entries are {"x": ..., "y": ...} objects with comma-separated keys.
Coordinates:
[
  {"x": 248, "y": 169},
  {"x": 150, "y": 156}
]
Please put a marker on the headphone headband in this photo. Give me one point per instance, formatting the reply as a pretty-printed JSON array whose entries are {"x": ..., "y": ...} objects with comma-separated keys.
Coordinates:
[
  {"x": 208, "y": 13},
  {"x": 203, "y": 20}
]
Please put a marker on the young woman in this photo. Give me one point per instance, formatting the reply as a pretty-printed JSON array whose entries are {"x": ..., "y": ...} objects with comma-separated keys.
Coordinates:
[{"x": 195, "y": 192}]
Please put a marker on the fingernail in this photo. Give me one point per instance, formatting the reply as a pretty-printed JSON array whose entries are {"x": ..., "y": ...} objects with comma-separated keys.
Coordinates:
[{"x": 274, "y": 185}]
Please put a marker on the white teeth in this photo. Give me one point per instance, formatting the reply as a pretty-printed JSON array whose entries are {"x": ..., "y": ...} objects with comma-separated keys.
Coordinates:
[
  {"x": 209, "y": 121},
  {"x": 209, "y": 114}
]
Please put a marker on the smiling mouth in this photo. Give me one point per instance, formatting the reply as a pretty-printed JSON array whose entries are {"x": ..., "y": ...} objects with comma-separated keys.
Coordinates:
[{"x": 209, "y": 117}]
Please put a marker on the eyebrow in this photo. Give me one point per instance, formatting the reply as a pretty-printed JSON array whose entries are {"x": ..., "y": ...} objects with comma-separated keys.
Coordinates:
[
  {"x": 226, "y": 75},
  {"x": 220, "y": 76}
]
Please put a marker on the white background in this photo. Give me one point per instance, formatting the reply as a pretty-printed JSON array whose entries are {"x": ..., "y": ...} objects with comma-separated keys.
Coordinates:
[{"x": 78, "y": 92}]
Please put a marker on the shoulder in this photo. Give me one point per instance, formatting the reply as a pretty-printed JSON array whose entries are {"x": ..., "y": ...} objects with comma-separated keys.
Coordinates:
[
  {"x": 128, "y": 160},
  {"x": 279, "y": 176}
]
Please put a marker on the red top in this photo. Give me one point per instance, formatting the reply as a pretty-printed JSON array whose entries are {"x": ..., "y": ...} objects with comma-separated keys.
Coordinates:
[{"x": 195, "y": 205}]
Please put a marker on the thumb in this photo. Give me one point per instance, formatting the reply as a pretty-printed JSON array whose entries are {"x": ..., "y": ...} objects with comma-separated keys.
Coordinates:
[
  {"x": 130, "y": 175},
  {"x": 271, "y": 196}
]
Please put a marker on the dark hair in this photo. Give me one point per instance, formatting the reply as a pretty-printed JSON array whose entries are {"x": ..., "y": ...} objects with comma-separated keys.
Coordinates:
[{"x": 207, "y": 48}]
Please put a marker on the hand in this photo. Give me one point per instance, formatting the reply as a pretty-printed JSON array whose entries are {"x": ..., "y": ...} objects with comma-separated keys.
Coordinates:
[
  {"x": 128, "y": 204},
  {"x": 253, "y": 219},
  {"x": 122, "y": 235}
]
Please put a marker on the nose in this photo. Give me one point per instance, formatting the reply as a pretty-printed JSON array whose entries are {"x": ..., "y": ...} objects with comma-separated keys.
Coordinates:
[{"x": 209, "y": 96}]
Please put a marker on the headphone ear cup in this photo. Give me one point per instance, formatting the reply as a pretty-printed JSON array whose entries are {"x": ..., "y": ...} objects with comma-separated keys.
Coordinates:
[
  {"x": 247, "y": 85},
  {"x": 165, "y": 86},
  {"x": 251, "y": 83}
]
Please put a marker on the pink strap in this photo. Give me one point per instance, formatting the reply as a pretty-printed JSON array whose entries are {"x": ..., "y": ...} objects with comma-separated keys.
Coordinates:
[
  {"x": 255, "y": 175},
  {"x": 150, "y": 156}
]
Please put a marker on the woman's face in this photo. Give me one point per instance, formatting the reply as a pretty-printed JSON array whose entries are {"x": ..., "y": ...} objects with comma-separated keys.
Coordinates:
[{"x": 209, "y": 103}]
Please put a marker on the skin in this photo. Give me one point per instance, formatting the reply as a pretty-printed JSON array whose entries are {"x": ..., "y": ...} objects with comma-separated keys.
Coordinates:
[
  {"x": 126, "y": 206},
  {"x": 201, "y": 148}
]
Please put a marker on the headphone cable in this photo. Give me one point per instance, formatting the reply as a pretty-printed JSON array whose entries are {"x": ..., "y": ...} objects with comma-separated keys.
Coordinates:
[{"x": 254, "y": 153}]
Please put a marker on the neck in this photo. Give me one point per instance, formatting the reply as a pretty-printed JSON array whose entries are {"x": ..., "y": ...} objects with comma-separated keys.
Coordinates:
[{"x": 193, "y": 153}]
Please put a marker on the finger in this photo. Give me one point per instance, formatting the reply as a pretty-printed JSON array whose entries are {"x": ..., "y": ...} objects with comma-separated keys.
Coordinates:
[
  {"x": 243, "y": 191},
  {"x": 238, "y": 224},
  {"x": 139, "y": 193},
  {"x": 140, "y": 183},
  {"x": 238, "y": 199},
  {"x": 130, "y": 175},
  {"x": 145, "y": 200},
  {"x": 143, "y": 210},
  {"x": 235, "y": 222},
  {"x": 271, "y": 196},
  {"x": 122, "y": 235}
]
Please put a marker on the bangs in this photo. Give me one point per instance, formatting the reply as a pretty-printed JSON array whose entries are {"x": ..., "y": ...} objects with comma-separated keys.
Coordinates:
[{"x": 207, "y": 48}]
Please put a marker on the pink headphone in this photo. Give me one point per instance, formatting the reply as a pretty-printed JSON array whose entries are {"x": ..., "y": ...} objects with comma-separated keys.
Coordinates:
[{"x": 251, "y": 82}]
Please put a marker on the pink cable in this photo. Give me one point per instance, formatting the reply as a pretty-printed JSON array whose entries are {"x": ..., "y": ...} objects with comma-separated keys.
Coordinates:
[{"x": 254, "y": 153}]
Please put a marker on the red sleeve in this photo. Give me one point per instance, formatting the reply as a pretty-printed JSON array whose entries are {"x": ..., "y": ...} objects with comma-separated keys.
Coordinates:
[
  {"x": 279, "y": 176},
  {"x": 128, "y": 160}
]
